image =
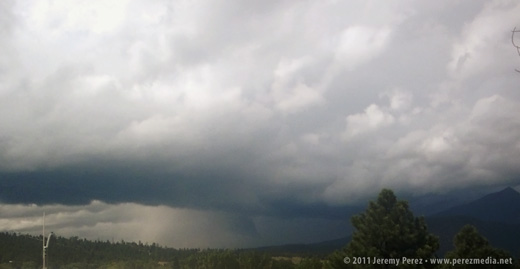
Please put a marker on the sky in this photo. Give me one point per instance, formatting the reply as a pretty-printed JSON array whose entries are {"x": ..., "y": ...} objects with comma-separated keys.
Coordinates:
[{"x": 248, "y": 123}]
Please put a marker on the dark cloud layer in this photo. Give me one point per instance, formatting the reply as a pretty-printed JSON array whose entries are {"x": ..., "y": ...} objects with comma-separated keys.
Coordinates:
[
  {"x": 79, "y": 186},
  {"x": 266, "y": 115}
]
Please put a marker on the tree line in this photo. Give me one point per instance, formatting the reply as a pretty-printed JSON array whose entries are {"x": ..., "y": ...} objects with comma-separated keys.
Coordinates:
[
  {"x": 25, "y": 251},
  {"x": 386, "y": 230}
]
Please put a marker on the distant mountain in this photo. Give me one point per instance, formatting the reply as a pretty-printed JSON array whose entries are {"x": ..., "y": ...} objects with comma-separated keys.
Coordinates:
[
  {"x": 429, "y": 204},
  {"x": 320, "y": 249},
  {"x": 502, "y": 206},
  {"x": 500, "y": 235},
  {"x": 496, "y": 216}
]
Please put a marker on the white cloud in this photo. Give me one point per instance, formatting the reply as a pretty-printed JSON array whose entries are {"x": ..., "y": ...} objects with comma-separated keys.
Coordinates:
[
  {"x": 486, "y": 41},
  {"x": 297, "y": 98},
  {"x": 400, "y": 100},
  {"x": 372, "y": 119},
  {"x": 290, "y": 94},
  {"x": 98, "y": 17},
  {"x": 457, "y": 150},
  {"x": 359, "y": 44}
]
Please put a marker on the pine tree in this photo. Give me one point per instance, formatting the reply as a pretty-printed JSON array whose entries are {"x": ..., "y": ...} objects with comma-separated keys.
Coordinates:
[
  {"x": 470, "y": 244},
  {"x": 387, "y": 230}
]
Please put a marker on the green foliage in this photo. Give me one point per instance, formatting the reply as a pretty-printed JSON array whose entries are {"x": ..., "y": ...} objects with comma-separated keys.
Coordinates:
[
  {"x": 282, "y": 264},
  {"x": 254, "y": 260},
  {"x": 335, "y": 260},
  {"x": 387, "y": 229},
  {"x": 470, "y": 244},
  {"x": 24, "y": 251},
  {"x": 310, "y": 263},
  {"x": 218, "y": 259}
]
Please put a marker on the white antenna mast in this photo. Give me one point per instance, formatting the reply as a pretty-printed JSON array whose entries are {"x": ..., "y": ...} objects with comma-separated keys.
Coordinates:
[{"x": 45, "y": 246}]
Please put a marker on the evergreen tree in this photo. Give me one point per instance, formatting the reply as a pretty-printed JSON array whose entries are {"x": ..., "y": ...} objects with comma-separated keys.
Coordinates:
[
  {"x": 310, "y": 263},
  {"x": 470, "y": 244},
  {"x": 387, "y": 230},
  {"x": 254, "y": 260}
]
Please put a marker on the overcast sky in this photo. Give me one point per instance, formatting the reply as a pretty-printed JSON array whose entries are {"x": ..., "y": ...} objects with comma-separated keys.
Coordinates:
[{"x": 242, "y": 123}]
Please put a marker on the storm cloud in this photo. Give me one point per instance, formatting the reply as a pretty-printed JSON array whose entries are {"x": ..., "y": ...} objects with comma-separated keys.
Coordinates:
[{"x": 270, "y": 116}]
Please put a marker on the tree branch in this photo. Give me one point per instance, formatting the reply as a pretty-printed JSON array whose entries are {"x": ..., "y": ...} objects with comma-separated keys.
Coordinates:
[{"x": 514, "y": 44}]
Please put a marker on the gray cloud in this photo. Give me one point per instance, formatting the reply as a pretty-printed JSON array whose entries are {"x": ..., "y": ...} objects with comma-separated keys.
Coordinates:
[
  {"x": 132, "y": 222},
  {"x": 268, "y": 114}
]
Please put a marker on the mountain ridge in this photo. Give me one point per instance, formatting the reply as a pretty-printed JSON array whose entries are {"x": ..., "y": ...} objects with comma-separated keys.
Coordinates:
[
  {"x": 500, "y": 227},
  {"x": 502, "y": 206}
]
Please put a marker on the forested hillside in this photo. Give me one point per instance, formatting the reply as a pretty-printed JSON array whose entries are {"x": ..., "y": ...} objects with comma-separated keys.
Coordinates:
[{"x": 25, "y": 251}]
